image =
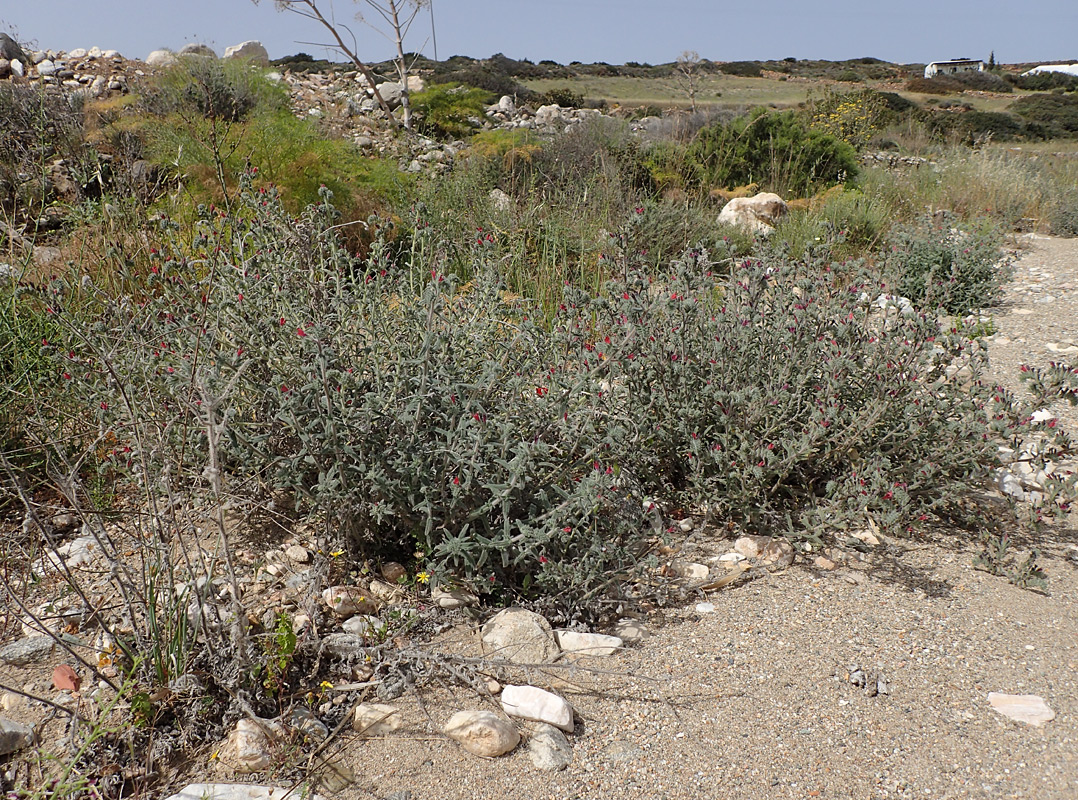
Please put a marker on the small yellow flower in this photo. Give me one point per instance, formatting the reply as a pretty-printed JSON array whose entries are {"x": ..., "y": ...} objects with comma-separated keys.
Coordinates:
[
  {"x": 337, "y": 553},
  {"x": 325, "y": 686},
  {"x": 422, "y": 577}
]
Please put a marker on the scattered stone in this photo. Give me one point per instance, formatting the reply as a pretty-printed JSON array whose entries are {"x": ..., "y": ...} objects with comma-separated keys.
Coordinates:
[
  {"x": 346, "y": 601},
  {"x": 9, "y": 701},
  {"x": 236, "y": 791},
  {"x": 14, "y": 736},
  {"x": 482, "y": 733},
  {"x": 451, "y": 599},
  {"x": 343, "y": 645},
  {"x": 631, "y": 630},
  {"x": 750, "y": 546},
  {"x": 251, "y": 50},
  {"x": 297, "y": 554},
  {"x": 686, "y": 525},
  {"x": 705, "y": 608},
  {"x": 248, "y": 746},
  {"x": 65, "y": 678},
  {"x": 758, "y": 214},
  {"x": 17, "y": 67},
  {"x": 500, "y": 200},
  {"x": 548, "y": 749},
  {"x": 1028, "y": 708},
  {"x": 393, "y": 572},
  {"x": 866, "y": 537},
  {"x": 385, "y": 592},
  {"x": 27, "y": 651},
  {"x": 590, "y": 644},
  {"x": 46, "y": 67},
  {"x": 687, "y": 570},
  {"x": 822, "y": 562},
  {"x": 77, "y": 53},
  {"x": 538, "y": 705},
  {"x": 376, "y": 719},
  {"x": 520, "y": 636},
  {"x": 363, "y": 625},
  {"x": 872, "y": 681},
  {"x": 5, "y": 68}
]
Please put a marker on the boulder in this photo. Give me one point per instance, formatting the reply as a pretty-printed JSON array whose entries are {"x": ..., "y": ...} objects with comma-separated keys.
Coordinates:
[
  {"x": 537, "y": 705},
  {"x": 482, "y": 733},
  {"x": 10, "y": 50},
  {"x": 197, "y": 49},
  {"x": 758, "y": 214},
  {"x": 520, "y": 636},
  {"x": 391, "y": 93},
  {"x": 77, "y": 53},
  {"x": 161, "y": 58},
  {"x": 416, "y": 83},
  {"x": 46, "y": 67},
  {"x": 251, "y": 50},
  {"x": 18, "y": 67},
  {"x": 5, "y": 67}
]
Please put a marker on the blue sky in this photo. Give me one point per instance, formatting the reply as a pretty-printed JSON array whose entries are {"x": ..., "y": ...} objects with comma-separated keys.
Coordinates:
[{"x": 586, "y": 30}]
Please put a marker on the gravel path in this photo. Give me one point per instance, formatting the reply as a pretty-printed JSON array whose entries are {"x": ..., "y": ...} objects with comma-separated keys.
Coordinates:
[{"x": 755, "y": 699}]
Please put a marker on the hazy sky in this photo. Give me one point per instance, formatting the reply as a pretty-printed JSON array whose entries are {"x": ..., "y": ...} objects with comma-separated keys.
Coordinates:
[{"x": 585, "y": 30}]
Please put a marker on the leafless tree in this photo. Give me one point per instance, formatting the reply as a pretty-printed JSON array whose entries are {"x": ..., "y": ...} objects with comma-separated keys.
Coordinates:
[
  {"x": 396, "y": 18},
  {"x": 687, "y": 74}
]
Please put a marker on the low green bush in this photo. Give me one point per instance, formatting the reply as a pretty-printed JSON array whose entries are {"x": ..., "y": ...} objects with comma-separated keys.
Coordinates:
[
  {"x": 1044, "y": 81},
  {"x": 742, "y": 69},
  {"x": 449, "y": 110},
  {"x": 937, "y": 263},
  {"x": 1056, "y": 112},
  {"x": 777, "y": 150}
]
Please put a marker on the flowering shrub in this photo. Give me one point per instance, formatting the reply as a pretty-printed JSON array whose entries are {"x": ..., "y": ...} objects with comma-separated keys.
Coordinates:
[
  {"x": 415, "y": 413},
  {"x": 939, "y": 265}
]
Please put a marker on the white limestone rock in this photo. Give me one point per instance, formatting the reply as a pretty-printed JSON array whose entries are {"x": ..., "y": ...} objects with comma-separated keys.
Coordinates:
[
  {"x": 538, "y": 705},
  {"x": 588, "y": 644},
  {"x": 520, "y": 636},
  {"x": 482, "y": 733}
]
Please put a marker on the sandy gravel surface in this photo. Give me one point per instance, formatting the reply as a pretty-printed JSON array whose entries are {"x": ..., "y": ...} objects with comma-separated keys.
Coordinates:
[{"x": 753, "y": 700}]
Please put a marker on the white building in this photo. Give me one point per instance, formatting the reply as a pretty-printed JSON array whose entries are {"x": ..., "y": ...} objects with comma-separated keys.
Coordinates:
[
  {"x": 1069, "y": 69},
  {"x": 953, "y": 66}
]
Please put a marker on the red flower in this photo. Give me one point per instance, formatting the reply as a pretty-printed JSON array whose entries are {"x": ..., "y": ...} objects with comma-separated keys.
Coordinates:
[
  {"x": 300, "y": 332},
  {"x": 541, "y": 390},
  {"x": 104, "y": 406},
  {"x": 284, "y": 388},
  {"x": 282, "y": 322}
]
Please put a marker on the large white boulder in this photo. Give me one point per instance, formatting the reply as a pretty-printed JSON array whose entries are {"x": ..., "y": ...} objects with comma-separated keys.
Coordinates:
[
  {"x": 758, "y": 214},
  {"x": 251, "y": 50}
]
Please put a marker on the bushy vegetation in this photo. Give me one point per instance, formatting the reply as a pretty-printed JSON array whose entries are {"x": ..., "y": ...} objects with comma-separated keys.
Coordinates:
[
  {"x": 503, "y": 375},
  {"x": 1057, "y": 112},
  {"x": 778, "y": 151},
  {"x": 449, "y": 110}
]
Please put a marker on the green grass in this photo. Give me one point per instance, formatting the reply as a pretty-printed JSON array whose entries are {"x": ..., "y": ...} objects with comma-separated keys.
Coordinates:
[{"x": 714, "y": 90}]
